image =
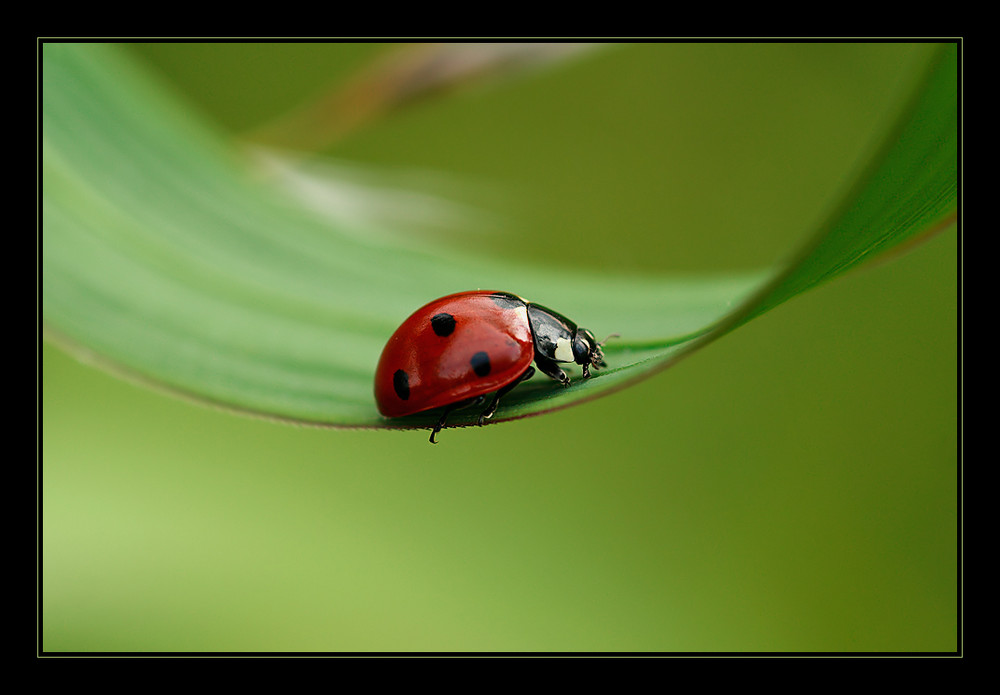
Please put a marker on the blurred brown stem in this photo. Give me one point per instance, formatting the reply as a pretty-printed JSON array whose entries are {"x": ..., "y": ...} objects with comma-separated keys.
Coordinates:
[{"x": 401, "y": 77}]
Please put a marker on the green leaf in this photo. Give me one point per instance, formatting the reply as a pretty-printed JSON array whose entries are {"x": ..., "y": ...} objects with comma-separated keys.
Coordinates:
[{"x": 165, "y": 259}]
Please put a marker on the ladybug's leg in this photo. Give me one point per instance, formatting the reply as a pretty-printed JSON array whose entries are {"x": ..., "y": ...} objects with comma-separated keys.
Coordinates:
[
  {"x": 551, "y": 369},
  {"x": 488, "y": 413},
  {"x": 448, "y": 411}
]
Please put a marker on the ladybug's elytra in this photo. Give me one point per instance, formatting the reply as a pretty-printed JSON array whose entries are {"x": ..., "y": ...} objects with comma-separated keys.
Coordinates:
[{"x": 455, "y": 350}]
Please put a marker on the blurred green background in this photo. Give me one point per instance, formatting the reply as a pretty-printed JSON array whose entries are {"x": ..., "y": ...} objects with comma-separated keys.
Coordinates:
[{"x": 791, "y": 487}]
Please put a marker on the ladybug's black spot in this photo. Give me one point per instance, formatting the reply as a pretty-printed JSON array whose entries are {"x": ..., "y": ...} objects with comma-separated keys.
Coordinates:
[
  {"x": 506, "y": 301},
  {"x": 480, "y": 363},
  {"x": 401, "y": 382},
  {"x": 443, "y": 324}
]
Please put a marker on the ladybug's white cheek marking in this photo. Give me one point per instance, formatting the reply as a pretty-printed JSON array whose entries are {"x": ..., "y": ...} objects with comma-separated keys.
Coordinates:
[{"x": 564, "y": 350}]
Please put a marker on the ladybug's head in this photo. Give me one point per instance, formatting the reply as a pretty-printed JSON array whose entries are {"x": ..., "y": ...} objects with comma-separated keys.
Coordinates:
[{"x": 587, "y": 351}]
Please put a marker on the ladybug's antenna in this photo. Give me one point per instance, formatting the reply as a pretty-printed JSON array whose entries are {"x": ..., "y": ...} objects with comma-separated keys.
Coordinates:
[{"x": 613, "y": 335}]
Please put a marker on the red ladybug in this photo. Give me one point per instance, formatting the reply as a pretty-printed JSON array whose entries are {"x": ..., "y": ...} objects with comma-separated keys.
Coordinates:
[{"x": 455, "y": 350}]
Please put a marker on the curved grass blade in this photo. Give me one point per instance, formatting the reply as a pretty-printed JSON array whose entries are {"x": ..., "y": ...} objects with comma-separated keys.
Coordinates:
[{"x": 165, "y": 260}]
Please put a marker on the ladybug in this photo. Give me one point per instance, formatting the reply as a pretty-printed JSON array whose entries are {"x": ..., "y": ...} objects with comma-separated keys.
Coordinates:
[{"x": 454, "y": 351}]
